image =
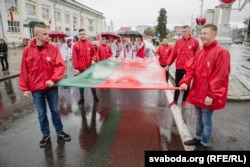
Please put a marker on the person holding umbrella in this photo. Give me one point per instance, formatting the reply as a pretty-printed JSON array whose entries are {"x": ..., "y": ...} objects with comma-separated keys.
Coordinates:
[
  {"x": 140, "y": 47},
  {"x": 113, "y": 46},
  {"x": 132, "y": 47}
]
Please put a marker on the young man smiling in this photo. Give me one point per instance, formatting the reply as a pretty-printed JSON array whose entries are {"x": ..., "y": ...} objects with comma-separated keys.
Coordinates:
[{"x": 209, "y": 73}]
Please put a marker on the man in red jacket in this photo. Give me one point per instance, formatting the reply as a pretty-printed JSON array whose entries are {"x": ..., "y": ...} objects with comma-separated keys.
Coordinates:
[
  {"x": 164, "y": 52},
  {"x": 103, "y": 51},
  {"x": 184, "y": 49},
  {"x": 209, "y": 73},
  {"x": 83, "y": 55},
  {"x": 41, "y": 66}
]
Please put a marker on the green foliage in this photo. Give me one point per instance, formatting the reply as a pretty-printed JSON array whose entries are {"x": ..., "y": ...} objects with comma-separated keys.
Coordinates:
[
  {"x": 150, "y": 31},
  {"x": 161, "y": 27}
]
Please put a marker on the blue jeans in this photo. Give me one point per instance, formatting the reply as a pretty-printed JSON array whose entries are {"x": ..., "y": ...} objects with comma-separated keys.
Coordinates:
[
  {"x": 39, "y": 98},
  {"x": 204, "y": 125}
]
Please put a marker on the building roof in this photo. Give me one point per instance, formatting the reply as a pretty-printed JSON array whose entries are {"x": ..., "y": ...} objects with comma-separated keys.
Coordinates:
[{"x": 123, "y": 29}]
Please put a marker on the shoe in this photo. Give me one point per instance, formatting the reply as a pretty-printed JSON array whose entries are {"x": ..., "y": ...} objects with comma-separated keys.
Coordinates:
[
  {"x": 193, "y": 142},
  {"x": 172, "y": 103},
  {"x": 81, "y": 101},
  {"x": 63, "y": 137},
  {"x": 96, "y": 99},
  {"x": 45, "y": 140},
  {"x": 201, "y": 147},
  {"x": 184, "y": 104}
]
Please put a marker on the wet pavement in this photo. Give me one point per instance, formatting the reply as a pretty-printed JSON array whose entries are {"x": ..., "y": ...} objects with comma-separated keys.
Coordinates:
[{"x": 116, "y": 131}]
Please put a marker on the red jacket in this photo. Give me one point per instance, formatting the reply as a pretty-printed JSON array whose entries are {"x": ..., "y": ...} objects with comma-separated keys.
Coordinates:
[
  {"x": 210, "y": 70},
  {"x": 164, "y": 52},
  {"x": 184, "y": 49},
  {"x": 103, "y": 52},
  {"x": 37, "y": 67},
  {"x": 82, "y": 55}
]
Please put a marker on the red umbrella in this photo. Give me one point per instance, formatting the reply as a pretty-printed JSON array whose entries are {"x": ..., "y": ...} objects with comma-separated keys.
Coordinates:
[
  {"x": 57, "y": 33},
  {"x": 107, "y": 35},
  {"x": 26, "y": 38}
]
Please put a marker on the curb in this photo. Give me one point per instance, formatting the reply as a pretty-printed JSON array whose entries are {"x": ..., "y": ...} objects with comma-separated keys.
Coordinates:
[{"x": 6, "y": 77}]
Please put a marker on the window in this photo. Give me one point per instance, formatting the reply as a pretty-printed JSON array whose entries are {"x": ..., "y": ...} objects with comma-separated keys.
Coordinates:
[
  {"x": 81, "y": 21},
  {"x": 57, "y": 16},
  {"x": 30, "y": 9},
  {"x": 14, "y": 26},
  {"x": 11, "y": 4},
  {"x": 58, "y": 28},
  {"x": 45, "y": 13},
  {"x": 66, "y": 16},
  {"x": 74, "y": 20}
]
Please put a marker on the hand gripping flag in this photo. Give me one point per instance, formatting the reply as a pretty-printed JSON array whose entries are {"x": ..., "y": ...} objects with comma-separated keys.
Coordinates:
[{"x": 113, "y": 73}]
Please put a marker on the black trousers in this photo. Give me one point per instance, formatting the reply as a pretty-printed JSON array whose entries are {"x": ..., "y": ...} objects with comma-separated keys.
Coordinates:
[
  {"x": 4, "y": 63},
  {"x": 179, "y": 74},
  {"x": 167, "y": 72}
]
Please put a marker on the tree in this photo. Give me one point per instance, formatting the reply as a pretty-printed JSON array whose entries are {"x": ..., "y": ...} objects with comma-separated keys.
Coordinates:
[
  {"x": 150, "y": 31},
  {"x": 161, "y": 28}
]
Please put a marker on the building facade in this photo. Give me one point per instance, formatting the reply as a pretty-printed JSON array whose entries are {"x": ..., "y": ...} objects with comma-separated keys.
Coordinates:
[{"x": 18, "y": 18}]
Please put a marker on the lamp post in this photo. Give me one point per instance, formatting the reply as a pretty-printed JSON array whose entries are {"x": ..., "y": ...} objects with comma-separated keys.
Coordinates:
[
  {"x": 201, "y": 8},
  {"x": 224, "y": 26},
  {"x": 54, "y": 12}
]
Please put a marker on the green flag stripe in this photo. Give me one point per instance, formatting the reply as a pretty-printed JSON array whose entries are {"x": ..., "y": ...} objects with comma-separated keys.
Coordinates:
[
  {"x": 94, "y": 75},
  {"x": 99, "y": 152}
]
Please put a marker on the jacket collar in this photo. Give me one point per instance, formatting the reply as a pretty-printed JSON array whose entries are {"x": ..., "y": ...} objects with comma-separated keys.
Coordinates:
[
  {"x": 33, "y": 43},
  {"x": 211, "y": 45}
]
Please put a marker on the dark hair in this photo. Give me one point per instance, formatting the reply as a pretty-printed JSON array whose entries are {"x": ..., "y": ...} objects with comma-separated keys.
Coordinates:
[
  {"x": 81, "y": 29},
  {"x": 211, "y": 26},
  {"x": 76, "y": 37},
  {"x": 41, "y": 25}
]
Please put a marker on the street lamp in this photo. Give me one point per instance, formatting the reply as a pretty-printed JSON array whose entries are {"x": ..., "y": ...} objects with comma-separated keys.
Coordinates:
[
  {"x": 55, "y": 12},
  {"x": 224, "y": 28}
]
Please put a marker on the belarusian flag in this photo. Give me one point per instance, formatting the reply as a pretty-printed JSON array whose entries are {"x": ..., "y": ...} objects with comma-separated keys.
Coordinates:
[{"x": 116, "y": 73}]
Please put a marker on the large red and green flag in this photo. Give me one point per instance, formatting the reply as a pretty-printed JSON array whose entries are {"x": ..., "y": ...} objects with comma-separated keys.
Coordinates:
[{"x": 143, "y": 74}]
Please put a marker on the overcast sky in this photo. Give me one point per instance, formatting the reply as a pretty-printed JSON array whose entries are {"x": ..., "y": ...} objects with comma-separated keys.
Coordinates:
[{"x": 145, "y": 12}]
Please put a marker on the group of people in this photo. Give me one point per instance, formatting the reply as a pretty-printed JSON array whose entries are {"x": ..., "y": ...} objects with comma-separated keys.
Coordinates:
[
  {"x": 131, "y": 48},
  {"x": 203, "y": 75},
  {"x": 204, "y": 71}
]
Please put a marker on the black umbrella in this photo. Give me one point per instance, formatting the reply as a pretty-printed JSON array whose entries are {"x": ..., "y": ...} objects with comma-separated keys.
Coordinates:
[{"x": 132, "y": 33}]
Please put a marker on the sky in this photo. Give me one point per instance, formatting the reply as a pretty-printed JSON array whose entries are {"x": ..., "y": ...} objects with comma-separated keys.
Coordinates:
[{"x": 145, "y": 12}]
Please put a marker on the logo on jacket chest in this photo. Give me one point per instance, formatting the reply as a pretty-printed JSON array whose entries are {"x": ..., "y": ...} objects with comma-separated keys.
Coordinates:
[
  {"x": 208, "y": 64},
  {"x": 48, "y": 59}
]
